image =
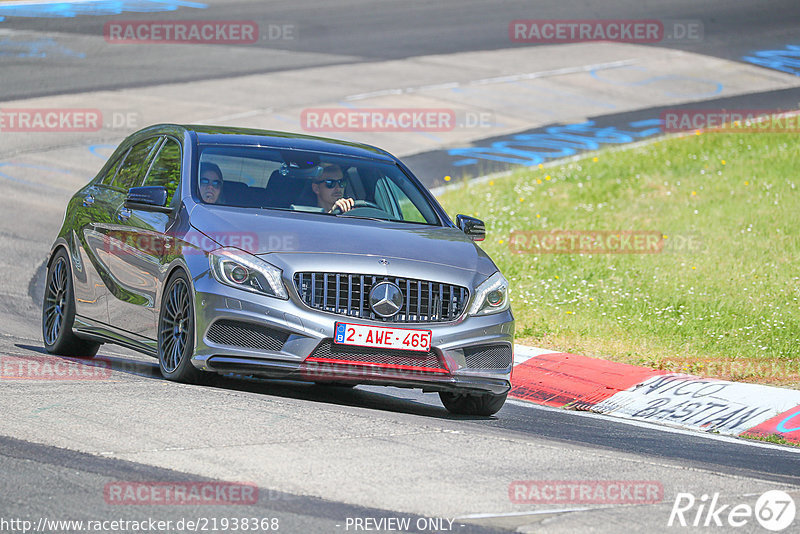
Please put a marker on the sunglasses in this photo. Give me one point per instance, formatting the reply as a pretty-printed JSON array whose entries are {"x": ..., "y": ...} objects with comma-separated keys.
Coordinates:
[
  {"x": 330, "y": 184},
  {"x": 214, "y": 183}
]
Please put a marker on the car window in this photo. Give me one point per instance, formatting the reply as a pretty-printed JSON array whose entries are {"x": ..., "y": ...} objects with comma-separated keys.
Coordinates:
[
  {"x": 166, "y": 168},
  {"x": 132, "y": 170},
  {"x": 384, "y": 198},
  {"x": 296, "y": 180},
  {"x": 397, "y": 195},
  {"x": 408, "y": 210},
  {"x": 112, "y": 170},
  {"x": 253, "y": 172}
]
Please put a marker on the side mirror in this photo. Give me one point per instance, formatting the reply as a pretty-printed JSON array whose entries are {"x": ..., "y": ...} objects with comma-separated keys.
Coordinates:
[
  {"x": 148, "y": 198},
  {"x": 471, "y": 226}
]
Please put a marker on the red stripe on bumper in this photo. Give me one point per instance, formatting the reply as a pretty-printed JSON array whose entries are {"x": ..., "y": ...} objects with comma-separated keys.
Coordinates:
[{"x": 382, "y": 365}]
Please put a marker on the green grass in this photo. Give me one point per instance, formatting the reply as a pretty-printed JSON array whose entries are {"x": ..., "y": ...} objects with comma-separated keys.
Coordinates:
[
  {"x": 729, "y": 308},
  {"x": 773, "y": 438}
]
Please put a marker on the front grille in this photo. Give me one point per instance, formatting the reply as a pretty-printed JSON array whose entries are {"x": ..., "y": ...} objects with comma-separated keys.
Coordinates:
[
  {"x": 246, "y": 335},
  {"x": 329, "y": 351},
  {"x": 488, "y": 356},
  {"x": 348, "y": 294}
]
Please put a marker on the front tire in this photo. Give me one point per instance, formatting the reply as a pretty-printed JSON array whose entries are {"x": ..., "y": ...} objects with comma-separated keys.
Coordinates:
[
  {"x": 58, "y": 312},
  {"x": 176, "y": 332},
  {"x": 468, "y": 404}
]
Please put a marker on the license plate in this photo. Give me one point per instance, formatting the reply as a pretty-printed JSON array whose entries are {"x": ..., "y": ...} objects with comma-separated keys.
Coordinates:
[{"x": 360, "y": 335}]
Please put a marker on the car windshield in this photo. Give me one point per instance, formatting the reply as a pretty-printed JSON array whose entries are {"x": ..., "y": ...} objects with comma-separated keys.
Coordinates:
[{"x": 257, "y": 177}]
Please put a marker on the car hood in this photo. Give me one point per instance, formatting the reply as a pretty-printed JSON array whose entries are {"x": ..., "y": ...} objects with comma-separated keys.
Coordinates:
[{"x": 283, "y": 233}]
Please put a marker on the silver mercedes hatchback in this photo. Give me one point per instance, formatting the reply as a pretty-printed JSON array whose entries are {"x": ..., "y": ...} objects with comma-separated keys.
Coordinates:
[{"x": 225, "y": 250}]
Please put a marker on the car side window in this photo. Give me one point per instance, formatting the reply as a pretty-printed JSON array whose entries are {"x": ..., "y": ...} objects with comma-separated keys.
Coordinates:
[
  {"x": 131, "y": 171},
  {"x": 166, "y": 168},
  {"x": 408, "y": 211},
  {"x": 383, "y": 196},
  {"x": 112, "y": 170}
]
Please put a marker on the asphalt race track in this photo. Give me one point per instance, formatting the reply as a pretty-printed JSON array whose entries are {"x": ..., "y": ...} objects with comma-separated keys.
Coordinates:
[
  {"x": 322, "y": 457},
  {"x": 359, "y": 31}
]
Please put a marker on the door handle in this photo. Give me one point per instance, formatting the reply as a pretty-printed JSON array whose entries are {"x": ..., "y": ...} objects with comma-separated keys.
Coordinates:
[
  {"x": 123, "y": 215},
  {"x": 88, "y": 200}
]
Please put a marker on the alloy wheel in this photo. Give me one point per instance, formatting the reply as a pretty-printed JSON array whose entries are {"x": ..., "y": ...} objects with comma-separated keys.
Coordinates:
[
  {"x": 175, "y": 325},
  {"x": 55, "y": 301}
]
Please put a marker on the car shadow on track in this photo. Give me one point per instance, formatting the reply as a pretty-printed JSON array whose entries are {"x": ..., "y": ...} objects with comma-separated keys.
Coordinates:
[
  {"x": 110, "y": 363},
  {"x": 359, "y": 397}
]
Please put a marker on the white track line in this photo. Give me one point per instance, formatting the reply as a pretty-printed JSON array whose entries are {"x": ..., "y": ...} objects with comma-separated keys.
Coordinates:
[
  {"x": 499, "y": 79},
  {"x": 535, "y": 512}
]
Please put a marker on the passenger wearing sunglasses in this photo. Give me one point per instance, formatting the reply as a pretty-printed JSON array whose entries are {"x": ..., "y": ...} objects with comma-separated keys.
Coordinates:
[
  {"x": 329, "y": 188},
  {"x": 211, "y": 183}
]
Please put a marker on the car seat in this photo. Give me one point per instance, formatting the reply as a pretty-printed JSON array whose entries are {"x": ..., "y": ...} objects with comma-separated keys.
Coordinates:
[{"x": 282, "y": 190}]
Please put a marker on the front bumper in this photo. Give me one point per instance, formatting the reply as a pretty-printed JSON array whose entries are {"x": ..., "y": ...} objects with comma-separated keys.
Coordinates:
[{"x": 245, "y": 333}]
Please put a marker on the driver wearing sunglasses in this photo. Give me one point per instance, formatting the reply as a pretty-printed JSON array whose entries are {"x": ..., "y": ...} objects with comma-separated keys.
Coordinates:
[
  {"x": 211, "y": 183},
  {"x": 329, "y": 188}
]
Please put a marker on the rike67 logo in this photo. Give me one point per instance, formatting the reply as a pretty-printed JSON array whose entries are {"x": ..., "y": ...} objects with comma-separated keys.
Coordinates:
[{"x": 774, "y": 510}]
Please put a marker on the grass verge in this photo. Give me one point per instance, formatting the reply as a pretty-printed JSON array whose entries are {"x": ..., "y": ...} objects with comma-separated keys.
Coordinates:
[
  {"x": 721, "y": 298},
  {"x": 772, "y": 438}
]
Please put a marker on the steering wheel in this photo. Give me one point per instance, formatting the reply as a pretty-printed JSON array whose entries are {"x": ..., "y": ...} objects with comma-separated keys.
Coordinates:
[{"x": 358, "y": 204}]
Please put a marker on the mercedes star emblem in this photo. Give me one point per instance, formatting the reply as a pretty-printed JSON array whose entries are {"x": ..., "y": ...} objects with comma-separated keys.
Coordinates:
[{"x": 386, "y": 299}]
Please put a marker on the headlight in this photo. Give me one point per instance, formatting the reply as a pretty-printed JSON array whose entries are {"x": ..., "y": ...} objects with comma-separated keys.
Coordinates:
[
  {"x": 491, "y": 296},
  {"x": 241, "y": 270}
]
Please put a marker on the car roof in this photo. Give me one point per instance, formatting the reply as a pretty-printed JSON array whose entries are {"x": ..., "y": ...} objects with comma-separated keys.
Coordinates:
[{"x": 227, "y": 135}]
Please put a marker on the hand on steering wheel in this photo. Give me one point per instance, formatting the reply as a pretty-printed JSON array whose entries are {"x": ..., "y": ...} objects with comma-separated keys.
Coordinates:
[{"x": 346, "y": 204}]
